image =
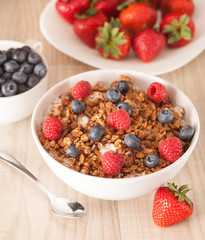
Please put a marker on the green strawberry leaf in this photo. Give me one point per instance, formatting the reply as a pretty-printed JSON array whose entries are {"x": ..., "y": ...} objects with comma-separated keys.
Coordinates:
[
  {"x": 173, "y": 38},
  {"x": 184, "y": 19},
  {"x": 114, "y": 32},
  {"x": 168, "y": 28}
]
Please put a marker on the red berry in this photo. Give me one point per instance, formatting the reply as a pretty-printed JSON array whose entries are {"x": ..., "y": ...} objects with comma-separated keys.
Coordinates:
[
  {"x": 112, "y": 163},
  {"x": 52, "y": 128},
  {"x": 157, "y": 92},
  {"x": 171, "y": 205},
  {"x": 171, "y": 149},
  {"x": 81, "y": 90},
  {"x": 148, "y": 44},
  {"x": 119, "y": 119}
]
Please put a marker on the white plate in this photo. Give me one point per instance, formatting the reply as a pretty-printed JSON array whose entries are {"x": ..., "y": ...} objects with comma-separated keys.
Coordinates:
[{"x": 60, "y": 34}]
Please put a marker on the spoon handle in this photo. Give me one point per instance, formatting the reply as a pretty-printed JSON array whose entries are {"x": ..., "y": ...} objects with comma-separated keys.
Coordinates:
[{"x": 17, "y": 165}]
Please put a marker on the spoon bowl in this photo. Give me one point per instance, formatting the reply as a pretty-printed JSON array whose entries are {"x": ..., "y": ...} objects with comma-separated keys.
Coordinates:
[{"x": 61, "y": 206}]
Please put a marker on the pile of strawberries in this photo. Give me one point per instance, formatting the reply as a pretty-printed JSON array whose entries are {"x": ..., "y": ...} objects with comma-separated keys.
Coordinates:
[{"x": 114, "y": 26}]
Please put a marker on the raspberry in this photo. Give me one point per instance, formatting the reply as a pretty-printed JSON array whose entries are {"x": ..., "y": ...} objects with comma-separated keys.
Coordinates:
[
  {"x": 119, "y": 119},
  {"x": 157, "y": 92},
  {"x": 112, "y": 163},
  {"x": 52, "y": 128},
  {"x": 171, "y": 149},
  {"x": 81, "y": 90}
]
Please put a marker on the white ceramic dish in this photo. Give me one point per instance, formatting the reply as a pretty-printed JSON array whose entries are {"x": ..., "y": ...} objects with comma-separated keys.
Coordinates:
[
  {"x": 20, "y": 106},
  {"x": 60, "y": 34},
  {"x": 113, "y": 189}
]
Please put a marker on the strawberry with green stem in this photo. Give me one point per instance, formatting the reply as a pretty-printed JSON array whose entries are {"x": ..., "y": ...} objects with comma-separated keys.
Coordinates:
[
  {"x": 86, "y": 25},
  {"x": 137, "y": 16},
  {"x": 178, "y": 29},
  {"x": 171, "y": 205},
  {"x": 68, "y": 8},
  {"x": 109, "y": 8},
  {"x": 112, "y": 41}
]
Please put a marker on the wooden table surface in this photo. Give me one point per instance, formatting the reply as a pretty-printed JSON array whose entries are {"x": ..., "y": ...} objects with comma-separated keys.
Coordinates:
[{"x": 25, "y": 212}]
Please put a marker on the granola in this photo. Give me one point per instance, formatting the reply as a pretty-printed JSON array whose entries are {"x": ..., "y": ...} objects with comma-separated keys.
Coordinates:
[{"x": 144, "y": 125}]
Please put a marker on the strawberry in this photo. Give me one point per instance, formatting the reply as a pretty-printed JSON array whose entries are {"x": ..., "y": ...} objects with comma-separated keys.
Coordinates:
[
  {"x": 171, "y": 205},
  {"x": 152, "y": 3},
  {"x": 182, "y": 6},
  {"x": 119, "y": 119},
  {"x": 68, "y": 8},
  {"x": 171, "y": 149},
  {"x": 112, "y": 41},
  {"x": 156, "y": 92},
  {"x": 109, "y": 8},
  {"x": 178, "y": 29},
  {"x": 148, "y": 44},
  {"x": 81, "y": 90},
  {"x": 112, "y": 163},
  {"x": 86, "y": 26},
  {"x": 137, "y": 16},
  {"x": 52, "y": 128}
]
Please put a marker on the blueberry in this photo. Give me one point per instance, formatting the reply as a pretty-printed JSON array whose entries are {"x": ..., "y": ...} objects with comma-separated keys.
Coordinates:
[
  {"x": 32, "y": 81},
  {"x": 26, "y": 67},
  {"x": 11, "y": 66},
  {"x": 122, "y": 86},
  {"x": 22, "y": 88},
  {"x": 9, "y": 88},
  {"x": 27, "y": 49},
  {"x": 165, "y": 116},
  {"x": 40, "y": 70},
  {"x": 3, "y": 57},
  {"x": 96, "y": 133},
  {"x": 9, "y": 53},
  {"x": 152, "y": 161},
  {"x": 33, "y": 58},
  {"x": 19, "y": 77},
  {"x": 77, "y": 106},
  {"x": 113, "y": 95},
  {"x": 72, "y": 151},
  {"x": 2, "y": 80},
  {"x": 1, "y": 71},
  {"x": 125, "y": 106},
  {"x": 132, "y": 141},
  {"x": 7, "y": 75},
  {"x": 186, "y": 133},
  {"x": 19, "y": 55}
]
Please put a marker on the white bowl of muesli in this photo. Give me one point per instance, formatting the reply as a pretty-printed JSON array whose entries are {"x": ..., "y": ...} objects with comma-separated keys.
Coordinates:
[{"x": 115, "y": 134}]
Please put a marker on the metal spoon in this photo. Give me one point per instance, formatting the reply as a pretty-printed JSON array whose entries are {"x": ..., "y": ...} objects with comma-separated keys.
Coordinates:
[{"x": 61, "y": 206}]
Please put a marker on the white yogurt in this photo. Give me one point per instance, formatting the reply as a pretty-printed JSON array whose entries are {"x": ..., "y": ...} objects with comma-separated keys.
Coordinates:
[
  {"x": 83, "y": 120},
  {"x": 108, "y": 147}
]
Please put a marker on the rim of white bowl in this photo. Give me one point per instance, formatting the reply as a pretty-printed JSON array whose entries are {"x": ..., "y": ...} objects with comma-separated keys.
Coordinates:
[
  {"x": 137, "y": 178},
  {"x": 10, "y": 42}
]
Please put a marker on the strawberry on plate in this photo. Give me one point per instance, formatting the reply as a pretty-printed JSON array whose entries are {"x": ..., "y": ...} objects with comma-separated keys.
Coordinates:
[
  {"x": 152, "y": 3},
  {"x": 68, "y": 8},
  {"x": 148, "y": 44},
  {"x": 178, "y": 29},
  {"x": 137, "y": 16},
  {"x": 171, "y": 205},
  {"x": 177, "y": 6},
  {"x": 109, "y": 8},
  {"x": 112, "y": 41},
  {"x": 86, "y": 26}
]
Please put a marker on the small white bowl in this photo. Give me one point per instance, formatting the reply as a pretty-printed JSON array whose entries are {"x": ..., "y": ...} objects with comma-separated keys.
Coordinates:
[
  {"x": 20, "y": 106},
  {"x": 104, "y": 188}
]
